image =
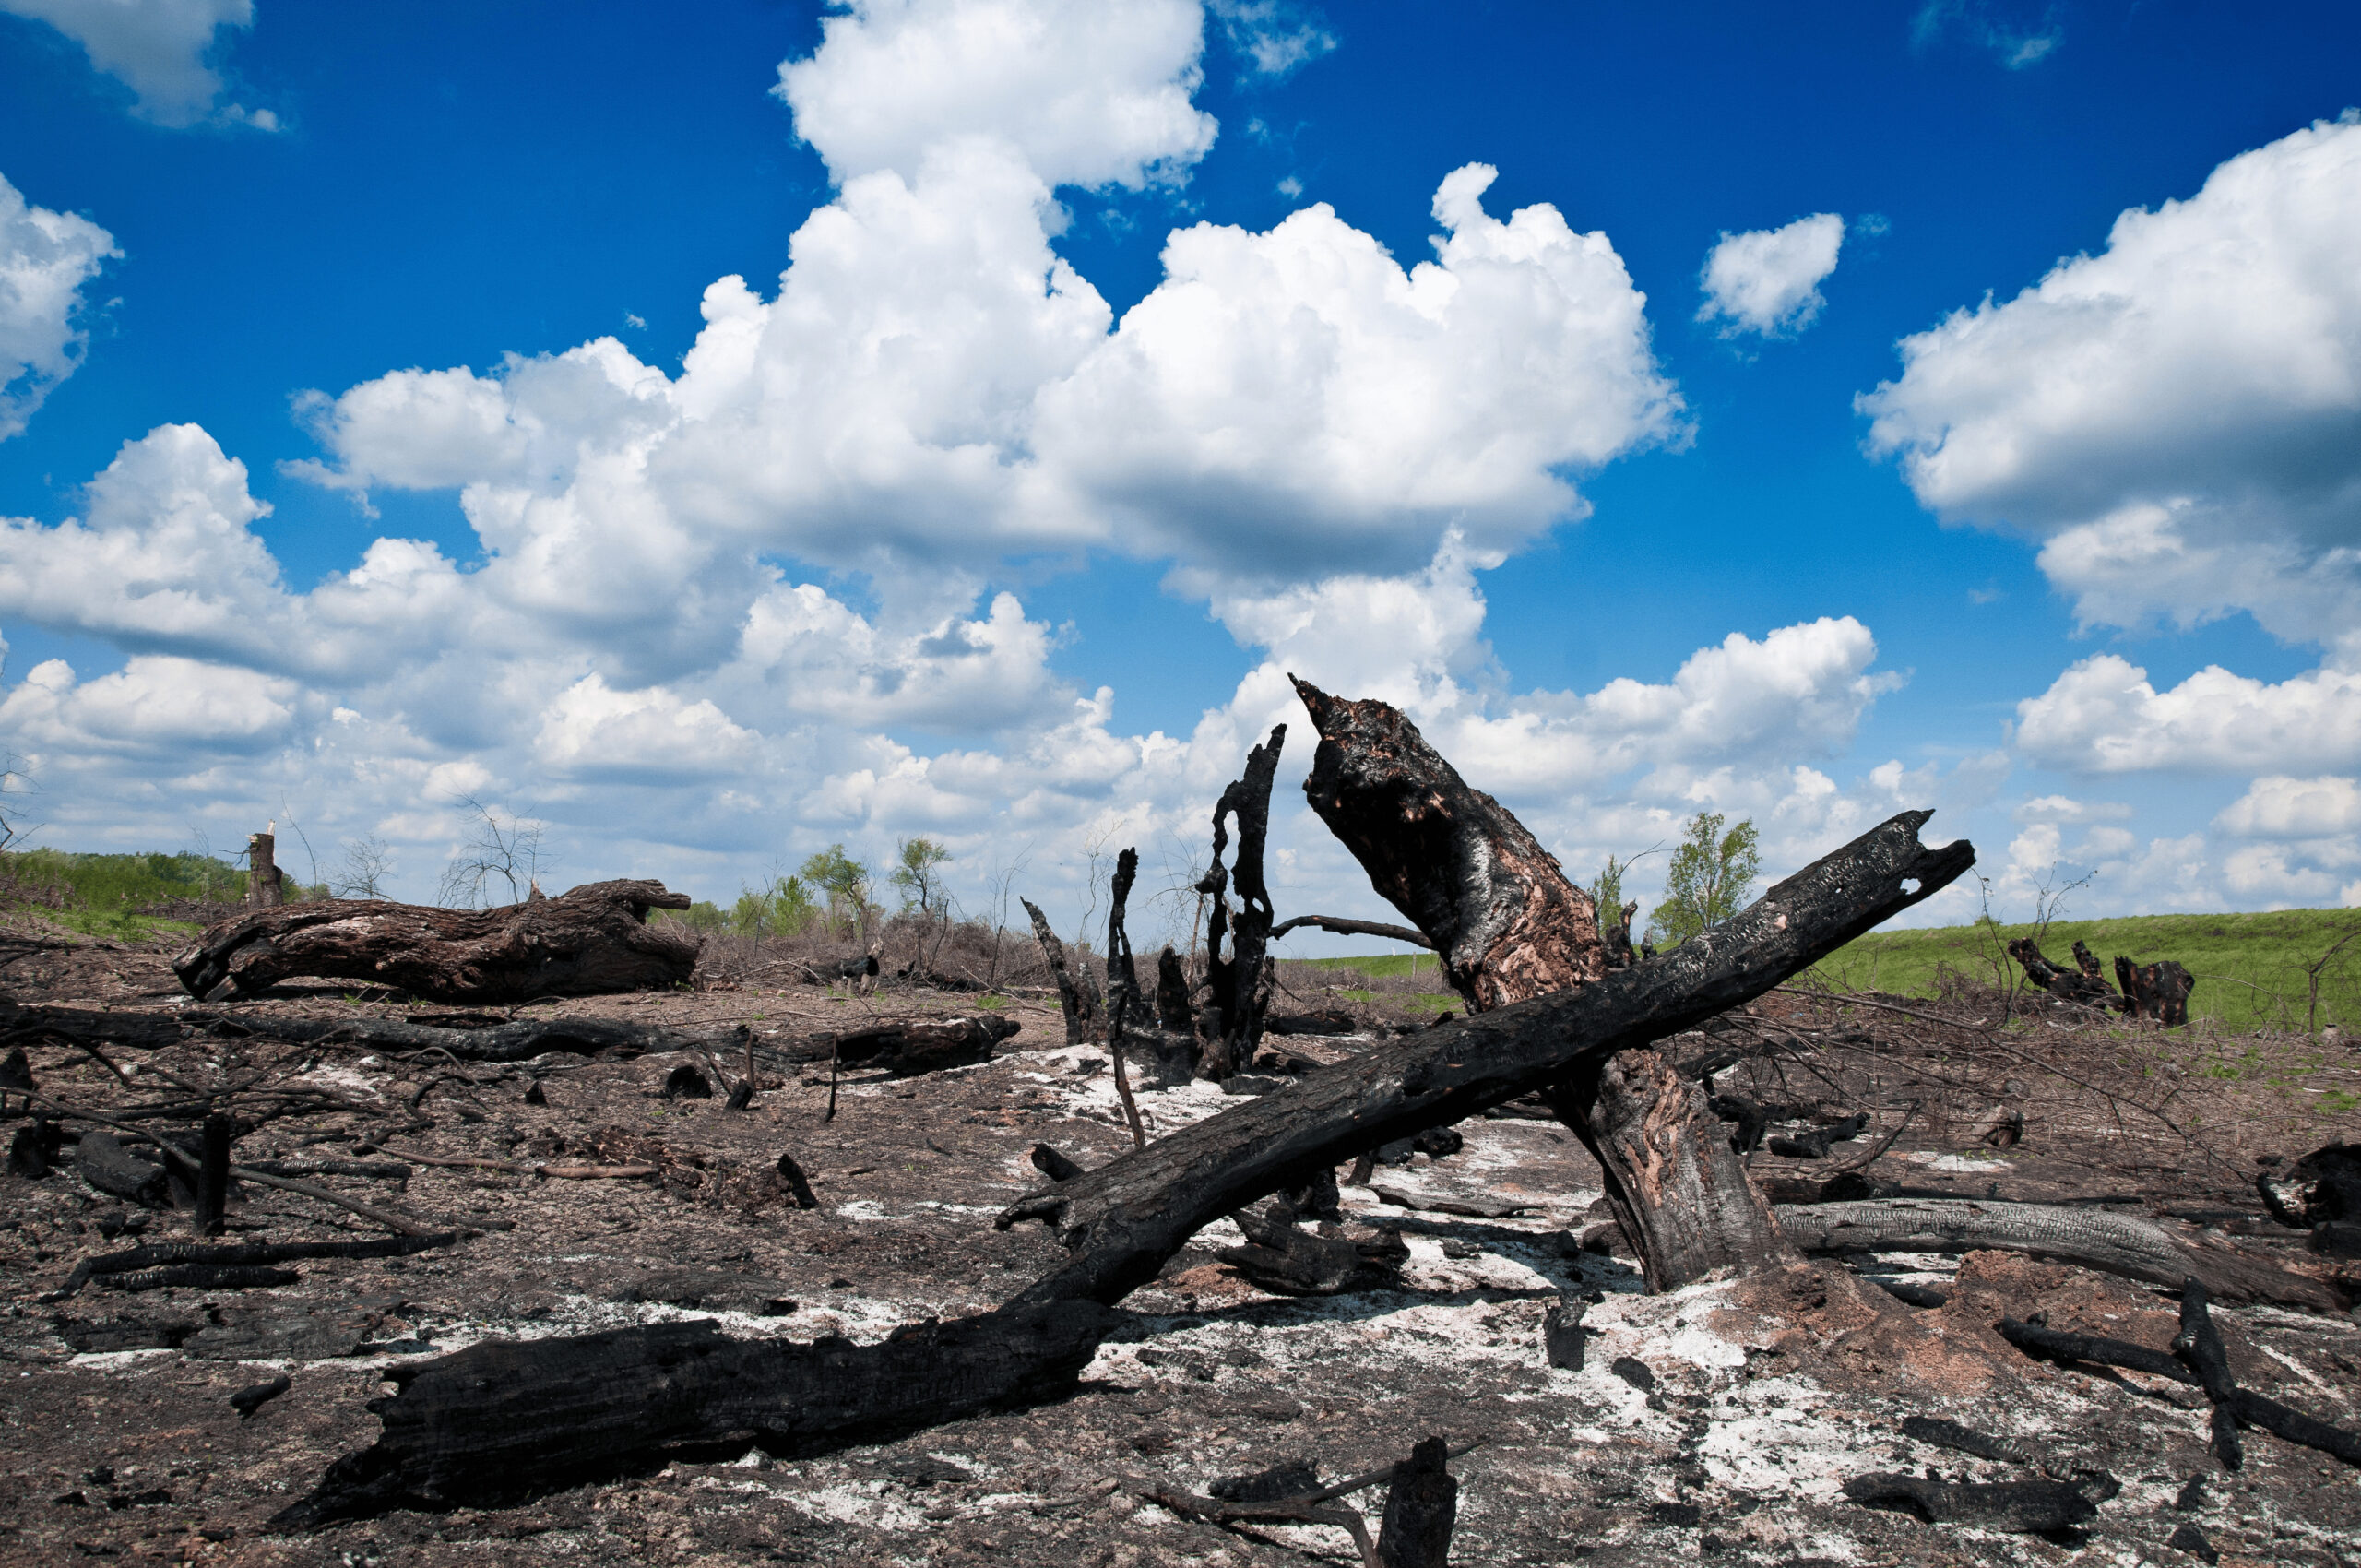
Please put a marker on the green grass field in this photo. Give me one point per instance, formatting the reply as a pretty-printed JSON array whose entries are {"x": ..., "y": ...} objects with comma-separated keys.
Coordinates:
[
  {"x": 107, "y": 894},
  {"x": 2250, "y": 968}
]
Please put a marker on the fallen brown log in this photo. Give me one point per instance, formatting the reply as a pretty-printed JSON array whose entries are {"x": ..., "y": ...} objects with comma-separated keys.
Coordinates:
[
  {"x": 1510, "y": 926},
  {"x": 511, "y": 1041},
  {"x": 530, "y": 1416},
  {"x": 2111, "y": 1243},
  {"x": 591, "y": 941},
  {"x": 505, "y": 1420},
  {"x": 1125, "y": 1218}
]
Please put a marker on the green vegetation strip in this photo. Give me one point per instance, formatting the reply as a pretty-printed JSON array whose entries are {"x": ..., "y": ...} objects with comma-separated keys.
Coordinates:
[{"x": 2252, "y": 970}]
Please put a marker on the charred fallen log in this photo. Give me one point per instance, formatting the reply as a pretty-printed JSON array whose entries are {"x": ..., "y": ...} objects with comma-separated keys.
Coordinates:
[
  {"x": 905, "y": 1051},
  {"x": 2038, "y": 1507},
  {"x": 2111, "y": 1243},
  {"x": 251, "y": 1254},
  {"x": 530, "y": 1416},
  {"x": 589, "y": 942},
  {"x": 2158, "y": 991},
  {"x": 505, "y": 1419},
  {"x": 1510, "y": 925}
]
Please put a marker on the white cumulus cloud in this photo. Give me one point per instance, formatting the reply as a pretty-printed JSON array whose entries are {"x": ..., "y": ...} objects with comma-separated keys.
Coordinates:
[
  {"x": 1767, "y": 281},
  {"x": 158, "y": 49},
  {"x": 2182, "y": 409},
  {"x": 2102, "y": 716},
  {"x": 45, "y": 259}
]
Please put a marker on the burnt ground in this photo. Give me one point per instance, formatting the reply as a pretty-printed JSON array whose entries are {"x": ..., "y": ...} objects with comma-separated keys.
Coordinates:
[{"x": 120, "y": 1441}]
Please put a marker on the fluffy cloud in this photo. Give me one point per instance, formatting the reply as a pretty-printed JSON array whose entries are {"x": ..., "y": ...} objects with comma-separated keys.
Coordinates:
[
  {"x": 2102, "y": 716},
  {"x": 1767, "y": 281},
  {"x": 2279, "y": 807},
  {"x": 153, "y": 706},
  {"x": 157, "y": 48},
  {"x": 45, "y": 259},
  {"x": 2186, "y": 402},
  {"x": 1086, "y": 92}
]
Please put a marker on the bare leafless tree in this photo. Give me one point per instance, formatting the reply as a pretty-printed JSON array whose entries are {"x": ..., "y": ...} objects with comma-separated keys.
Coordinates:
[
  {"x": 367, "y": 863},
  {"x": 508, "y": 849}
]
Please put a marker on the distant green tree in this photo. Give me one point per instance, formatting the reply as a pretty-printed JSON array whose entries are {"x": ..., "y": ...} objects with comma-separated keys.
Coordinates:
[
  {"x": 917, "y": 877},
  {"x": 1713, "y": 874},
  {"x": 792, "y": 906},
  {"x": 843, "y": 880},
  {"x": 1607, "y": 892}
]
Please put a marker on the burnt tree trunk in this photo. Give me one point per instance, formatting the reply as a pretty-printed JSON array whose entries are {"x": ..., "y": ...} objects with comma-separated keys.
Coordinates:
[
  {"x": 2155, "y": 990},
  {"x": 591, "y": 941},
  {"x": 266, "y": 883},
  {"x": 1511, "y": 926},
  {"x": 1240, "y": 983},
  {"x": 520, "y": 1418},
  {"x": 1077, "y": 996}
]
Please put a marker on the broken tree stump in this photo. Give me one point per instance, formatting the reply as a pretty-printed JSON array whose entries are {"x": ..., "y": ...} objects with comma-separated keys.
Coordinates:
[
  {"x": 1510, "y": 926},
  {"x": 266, "y": 883},
  {"x": 2158, "y": 991},
  {"x": 1240, "y": 983},
  {"x": 589, "y": 941},
  {"x": 1078, "y": 997}
]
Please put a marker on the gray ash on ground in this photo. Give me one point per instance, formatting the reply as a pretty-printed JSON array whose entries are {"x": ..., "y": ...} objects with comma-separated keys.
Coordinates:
[{"x": 1760, "y": 1400}]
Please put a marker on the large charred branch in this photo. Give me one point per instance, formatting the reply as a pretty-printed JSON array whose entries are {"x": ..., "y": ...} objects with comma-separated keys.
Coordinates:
[
  {"x": 505, "y": 1420},
  {"x": 1343, "y": 927},
  {"x": 518, "y": 1041},
  {"x": 589, "y": 941},
  {"x": 2110, "y": 1243},
  {"x": 525, "y": 1416},
  {"x": 1510, "y": 925},
  {"x": 1124, "y": 1219},
  {"x": 1239, "y": 980}
]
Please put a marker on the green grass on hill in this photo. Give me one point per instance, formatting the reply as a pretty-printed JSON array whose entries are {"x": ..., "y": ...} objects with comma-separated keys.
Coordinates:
[
  {"x": 110, "y": 896},
  {"x": 2250, "y": 968}
]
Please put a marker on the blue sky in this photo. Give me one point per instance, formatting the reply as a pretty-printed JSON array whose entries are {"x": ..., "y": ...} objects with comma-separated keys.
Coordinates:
[{"x": 997, "y": 519}]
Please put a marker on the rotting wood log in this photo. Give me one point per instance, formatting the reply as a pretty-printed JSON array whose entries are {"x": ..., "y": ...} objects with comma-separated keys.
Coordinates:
[
  {"x": 547, "y": 1413},
  {"x": 1240, "y": 980},
  {"x": 1510, "y": 925},
  {"x": 160, "y": 1255},
  {"x": 1123, "y": 1218},
  {"x": 2110, "y": 1243},
  {"x": 505, "y": 1420},
  {"x": 1078, "y": 997},
  {"x": 907, "y": 1049},
  {"x": 2033, "y": 1507},
  {"x": 510, "y": 1041},
  {"x": 589, "y": 942}
]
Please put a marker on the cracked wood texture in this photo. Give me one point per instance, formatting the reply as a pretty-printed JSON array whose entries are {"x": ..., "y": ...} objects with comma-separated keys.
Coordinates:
[
  {"x": 589, "y": 942},
  {"x": 1511, "y": 926},
  {"x": 1123, "y": 1219}
]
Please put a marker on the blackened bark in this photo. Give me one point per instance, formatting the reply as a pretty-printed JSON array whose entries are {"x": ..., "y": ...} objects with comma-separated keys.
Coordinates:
[
  {"x": 213, "y": 1174},
  {"x": 907, "y": 1049},
  {"x": 589, "y": 941},
  {"x": 1420, "y": 1509},
  {"x": 1172, "y": 1012},
  {"x": 1124, "y": 1005},
  {"x": 1511, "y": 925},
  {"x": 266, "y": 883},
  {"x": 505, "y": 1419},
  {"x": 2081, "y": 984},
  {"x": 1239, "y": 982},
  {"x": 2157, "y": 990},
  {"x": 1078, "y": 994},
  {"x": 1343, "y": 927}
]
